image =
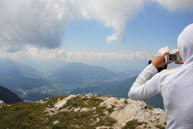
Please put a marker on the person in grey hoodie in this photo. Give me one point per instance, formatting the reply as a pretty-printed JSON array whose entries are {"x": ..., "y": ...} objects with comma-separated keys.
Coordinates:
[{"x": 175, "y": 86}]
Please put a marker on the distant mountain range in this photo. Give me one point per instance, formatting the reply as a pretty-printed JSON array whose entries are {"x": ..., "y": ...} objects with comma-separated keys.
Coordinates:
[
  {"x": 8, "y": 96},
  {"x": 118, "y": 89},
  {"x": 15, "y": 75},
  {"x": 113, "y": 88},
  {"x": 72, "y": 78},
  {"x": 76, "y": 75}
]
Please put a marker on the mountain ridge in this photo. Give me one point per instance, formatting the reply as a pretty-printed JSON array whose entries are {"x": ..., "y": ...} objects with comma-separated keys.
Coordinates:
[
  {"x": 80, "y": 74},
  {"x": 15, "y": 75},
  {"x": 8, "y": 96},
  {"x": 82, "y": 112},
  {"x": 118, "y": 89}
]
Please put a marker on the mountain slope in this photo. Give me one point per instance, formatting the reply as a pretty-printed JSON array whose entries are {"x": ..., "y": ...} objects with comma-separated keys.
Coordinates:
[
  {"x": 82, "y": 112},
  {"x": 8, "y": 97},
  {"x": 16, "y": 69},
  {"x": 114, "y": 88},
  {"x": 15, "y": 75},
  {"x": 76, "y": 75}
]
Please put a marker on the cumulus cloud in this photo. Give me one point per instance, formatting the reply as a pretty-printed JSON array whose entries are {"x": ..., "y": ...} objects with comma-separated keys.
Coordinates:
[
  {"x": 174, "y": 5},
  {"x": 163, "y": 50},
  {"x": 33, "y": 22},
  {"x": 113, "y": 13},
  {"x": 41, "y": 23},
  {"x": 107, "y": 56},
  {"x": 62, "y": 55}
]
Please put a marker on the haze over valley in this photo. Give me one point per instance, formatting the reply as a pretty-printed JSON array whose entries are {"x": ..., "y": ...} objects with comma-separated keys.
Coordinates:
[{"x": 26, "y": 80}]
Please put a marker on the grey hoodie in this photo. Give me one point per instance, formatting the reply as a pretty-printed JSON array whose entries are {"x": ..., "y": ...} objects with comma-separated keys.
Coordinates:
[{"x": 176, "y": 87}]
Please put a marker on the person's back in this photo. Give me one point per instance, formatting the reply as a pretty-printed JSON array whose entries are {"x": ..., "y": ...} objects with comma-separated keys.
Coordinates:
[
  {"x": 175, "y": 86},
  {"x": 177, "y": 93}
]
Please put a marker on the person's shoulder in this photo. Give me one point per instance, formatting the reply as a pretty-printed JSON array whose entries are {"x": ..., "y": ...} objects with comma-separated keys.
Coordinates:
[
  {"x": 171, "y": 69},
  {"x": 164, "y": 74},
  {"x": 167, "y": 72}
]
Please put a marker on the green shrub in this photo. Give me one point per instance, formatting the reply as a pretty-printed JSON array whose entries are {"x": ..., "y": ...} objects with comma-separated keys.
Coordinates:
[
  {"x": 160, "y": 127},
  {"x": 133, "y": 124}
]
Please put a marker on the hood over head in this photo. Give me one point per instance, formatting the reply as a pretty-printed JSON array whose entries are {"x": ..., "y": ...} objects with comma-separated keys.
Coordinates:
[{"x": 185, "y": 44}]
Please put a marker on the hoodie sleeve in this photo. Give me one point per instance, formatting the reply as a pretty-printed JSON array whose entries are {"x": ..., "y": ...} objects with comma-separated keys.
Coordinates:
[{"x": 144, "y": 87}]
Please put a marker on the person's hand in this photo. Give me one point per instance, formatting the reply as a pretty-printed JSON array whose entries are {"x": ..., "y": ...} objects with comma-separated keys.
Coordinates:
[
  {"x": 159, "y": 61},
  {"x": 179, "y": 62}
]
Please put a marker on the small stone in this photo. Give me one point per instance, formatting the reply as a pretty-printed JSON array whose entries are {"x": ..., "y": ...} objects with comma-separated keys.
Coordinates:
[
  {"x": 86, "y": 109},
  {"x": 56, "y": 122},
  {"x": 76, "y": 109}
]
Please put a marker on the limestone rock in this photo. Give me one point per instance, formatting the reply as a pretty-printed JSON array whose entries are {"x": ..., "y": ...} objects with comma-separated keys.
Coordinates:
[
  {"x": 122, "y": 110},
  {"x": 1, "y": 103}
]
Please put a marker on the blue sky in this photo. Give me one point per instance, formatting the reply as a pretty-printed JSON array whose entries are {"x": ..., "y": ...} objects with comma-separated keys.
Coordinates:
[
  {"x": 118, "y": 35},
  {"x": 152, "y": 28}
]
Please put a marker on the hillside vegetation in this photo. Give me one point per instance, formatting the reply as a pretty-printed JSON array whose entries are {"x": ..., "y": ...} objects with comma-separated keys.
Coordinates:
[{"x": 81, "y": 112}]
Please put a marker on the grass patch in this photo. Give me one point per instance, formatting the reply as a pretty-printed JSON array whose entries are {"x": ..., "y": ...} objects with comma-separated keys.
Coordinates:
[
  {"x": 110, "y": 110},
  {"x": 83, "y": 120},
  {"x": 148, "y": 107},
  {"x": 133, "y": 124},
  {"x": 80, "y": 120},
  {"x": 28, "y": 115},
  {"x": 23, "y": 115},
  {"x": 84, "y": 102},
  {"x": 160, "y": 127},
  {"x": 52, "y": 100}
]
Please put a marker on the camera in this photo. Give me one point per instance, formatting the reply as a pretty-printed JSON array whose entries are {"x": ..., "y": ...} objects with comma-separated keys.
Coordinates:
[
  {"x": 169, "y": 58},
  {"x": 172, "y": 58}
]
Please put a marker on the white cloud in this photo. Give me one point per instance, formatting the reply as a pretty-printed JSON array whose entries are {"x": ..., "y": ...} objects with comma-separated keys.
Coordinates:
[
  {"x": 113, "y": 13},
  {"x": 163, "y": 50},
  {"x": 107, "y": 56},
  {"x": 33, "y": 22},
  {"x": 77, "y": 56},
  {"x": 51, "y": 59},
  {"x": 41, "y": 23},
  {"x": 175, "y": 5}
]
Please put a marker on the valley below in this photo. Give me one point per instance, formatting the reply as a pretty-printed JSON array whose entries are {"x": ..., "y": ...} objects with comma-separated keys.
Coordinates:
[{"x": 75, "y": 78}]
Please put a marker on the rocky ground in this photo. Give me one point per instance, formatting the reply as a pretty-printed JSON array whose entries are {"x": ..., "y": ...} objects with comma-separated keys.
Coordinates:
[
  {"x": 1, "y": 103},
  {"x": 82, "y": 112}
]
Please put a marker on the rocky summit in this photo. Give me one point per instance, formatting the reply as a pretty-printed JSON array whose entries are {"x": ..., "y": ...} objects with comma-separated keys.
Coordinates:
[{"x": 81, "y": 112}]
